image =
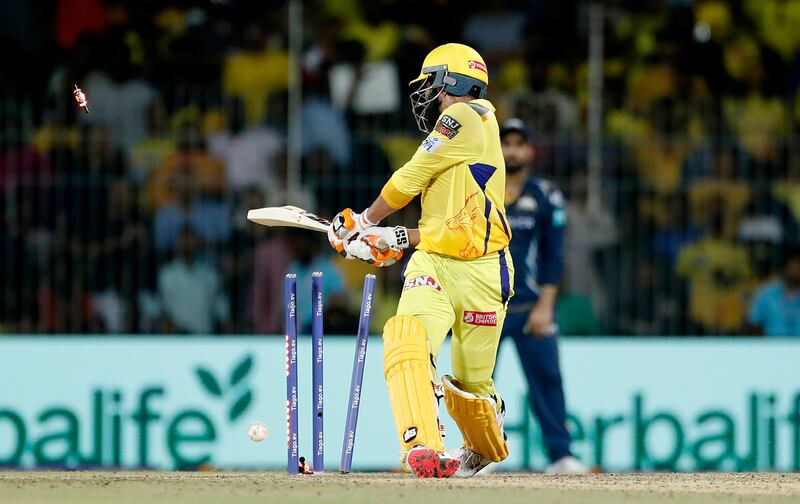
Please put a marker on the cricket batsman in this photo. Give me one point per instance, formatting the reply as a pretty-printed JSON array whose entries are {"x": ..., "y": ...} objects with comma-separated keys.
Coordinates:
[
  {"x": 461, "y": 276},
  {"x": 538, "y": 219}
]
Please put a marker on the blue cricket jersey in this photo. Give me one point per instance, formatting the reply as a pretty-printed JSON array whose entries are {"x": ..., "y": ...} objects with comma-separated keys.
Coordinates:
[{"x": 537, "y": 219}]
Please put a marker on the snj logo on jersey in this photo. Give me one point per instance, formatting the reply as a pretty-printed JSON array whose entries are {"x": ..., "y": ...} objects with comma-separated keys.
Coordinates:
[
  {"x": 477, "y": 65},
  {"x": 420, "y": 281},
  {"x": 479, "y": 318},
  {"x": 448, "y": 126}
]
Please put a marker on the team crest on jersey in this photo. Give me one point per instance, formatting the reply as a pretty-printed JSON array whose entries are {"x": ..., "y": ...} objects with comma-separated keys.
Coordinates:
[
  {"x": 424, "y": 280},
  {"x": 448, "y": 126},
  {"x": 478, "y": 318},
  {"x": 477, "y": 65}
]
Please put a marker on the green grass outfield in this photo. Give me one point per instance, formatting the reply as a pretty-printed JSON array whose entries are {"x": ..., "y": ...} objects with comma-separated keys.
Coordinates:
[{"x": 385, "y": 488}]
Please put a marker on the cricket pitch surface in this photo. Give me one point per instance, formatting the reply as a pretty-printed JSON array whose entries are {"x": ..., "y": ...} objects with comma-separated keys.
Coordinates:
[{"x": 387, "y": 488}]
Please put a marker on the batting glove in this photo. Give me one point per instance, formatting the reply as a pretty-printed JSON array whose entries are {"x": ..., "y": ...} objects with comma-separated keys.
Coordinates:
[
  {"x": 346, "y": 226},
  {"x": 367, "y": 249},
  {"x": 395, "y": 238}
]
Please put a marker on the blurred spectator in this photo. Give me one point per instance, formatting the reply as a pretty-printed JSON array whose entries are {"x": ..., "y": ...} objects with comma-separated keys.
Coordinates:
[
  {"x": 118, "y": 98},
  {"x": 765, "y": 226},
  {"x": 20, "y": 163},
  {"x": 158, "y": 143},
  {"x": 271, "y": 263},
  {"x": 722, "y": 195},
  {"x": 718, "y": 271},
  {"x": 658, "y": 156},
  {"x": 248, "y": 151},
  {"x": 319, "y": 174},
  {"x": 319, "y": 57},
  {"x": 496, "y": 30},
  {"x": 759, "y": 121},
  {"x": 370, "y": 155},
  {"x": 675, "y": 232},
  {"x": 206, "y": 217},
  {"x": 26, "y": 220},
  {"x": 775, "y": 310},
  {"x": 279, "y": 194},
  {"x": 360, "y": 87},
  {"x": 379, "y": 33},
  {"x": 239, "y": 261},
  {"x": 553, "y": 112},
  {"x": 590, "y": 233},
  {"x": 325, "y": 127},
  {"x": 192, "y": 159},
  {"x": 82, "y": 188},
  {"x": 777, "y": 20},
  {"x": 258, "y": 70},
  {"x": 123, "y": 261},
  {"x": 190, "y": 290},
  {"x": 64, "y": 303}
]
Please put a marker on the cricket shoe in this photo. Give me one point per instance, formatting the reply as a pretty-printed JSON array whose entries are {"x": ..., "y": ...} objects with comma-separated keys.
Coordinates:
[
  {"x": 473, "y": 464},
  {"x": 428, "y": 463},
  {"x": 566, "y": 465}
]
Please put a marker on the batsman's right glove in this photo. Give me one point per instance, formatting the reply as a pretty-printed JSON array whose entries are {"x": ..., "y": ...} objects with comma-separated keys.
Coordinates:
[{"x": 346, "y": 227}]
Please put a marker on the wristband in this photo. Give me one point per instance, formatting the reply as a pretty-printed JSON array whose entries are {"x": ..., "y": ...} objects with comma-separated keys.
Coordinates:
[
  {"x": 366, "y": 220},
  {"x": 401, "y": 237}
]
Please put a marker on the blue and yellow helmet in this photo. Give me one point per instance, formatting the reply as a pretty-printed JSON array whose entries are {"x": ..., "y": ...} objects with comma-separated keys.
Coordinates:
[{"x": 455, "y": 69}]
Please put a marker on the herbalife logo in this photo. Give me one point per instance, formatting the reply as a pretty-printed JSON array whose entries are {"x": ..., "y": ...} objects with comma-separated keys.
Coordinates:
[
  {"x": 235, "y": 392},
  {"x": 121, "y": 426}
]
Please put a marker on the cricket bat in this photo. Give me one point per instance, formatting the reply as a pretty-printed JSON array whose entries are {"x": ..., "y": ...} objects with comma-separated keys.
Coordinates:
[
  {"x": 292, "y": 216},
  {"x": 288, "y": 216}
]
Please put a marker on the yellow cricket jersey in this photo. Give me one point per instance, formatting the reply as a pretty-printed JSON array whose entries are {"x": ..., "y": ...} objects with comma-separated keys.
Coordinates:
[{"x": 459, "y": 170}]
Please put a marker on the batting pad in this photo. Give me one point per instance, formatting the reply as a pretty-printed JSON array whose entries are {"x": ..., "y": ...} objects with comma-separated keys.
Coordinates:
[
  {"x": 406, "y": 366},
  {"x": 476, "y": 418}
]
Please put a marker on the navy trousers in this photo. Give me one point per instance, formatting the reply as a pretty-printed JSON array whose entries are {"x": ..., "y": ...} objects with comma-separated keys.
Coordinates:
[{"x": 539, "y": 358}]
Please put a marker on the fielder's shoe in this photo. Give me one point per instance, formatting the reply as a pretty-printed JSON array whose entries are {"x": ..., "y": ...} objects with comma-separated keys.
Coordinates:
[
  {"x": 566, "y": 465},
  {"x": 427, "y": 463},
  {"x": 473, "y": 464}
]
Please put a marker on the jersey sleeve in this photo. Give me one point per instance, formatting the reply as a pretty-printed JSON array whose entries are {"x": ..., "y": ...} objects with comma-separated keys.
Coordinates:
[
  {"x": 551, "y": 245},
  {"x": 456, "y": 138}
]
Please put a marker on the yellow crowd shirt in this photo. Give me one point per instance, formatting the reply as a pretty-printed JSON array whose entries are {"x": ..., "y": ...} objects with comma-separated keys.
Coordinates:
[{"x": 460, "y": 173}]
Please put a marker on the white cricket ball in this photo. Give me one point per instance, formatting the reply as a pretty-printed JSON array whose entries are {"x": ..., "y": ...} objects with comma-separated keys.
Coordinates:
[{"x": 258, "y": 431}]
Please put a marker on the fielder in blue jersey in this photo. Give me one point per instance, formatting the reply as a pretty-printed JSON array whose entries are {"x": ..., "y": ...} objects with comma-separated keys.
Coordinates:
[{"x": 536, "y": 214}]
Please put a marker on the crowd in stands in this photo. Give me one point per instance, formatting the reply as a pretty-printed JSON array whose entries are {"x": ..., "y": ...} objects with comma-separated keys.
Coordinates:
[{"x": 131, "y": 218}]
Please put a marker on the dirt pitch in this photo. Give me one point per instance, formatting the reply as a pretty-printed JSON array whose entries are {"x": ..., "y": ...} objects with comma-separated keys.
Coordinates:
[{"x": 385, "y": 488}]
